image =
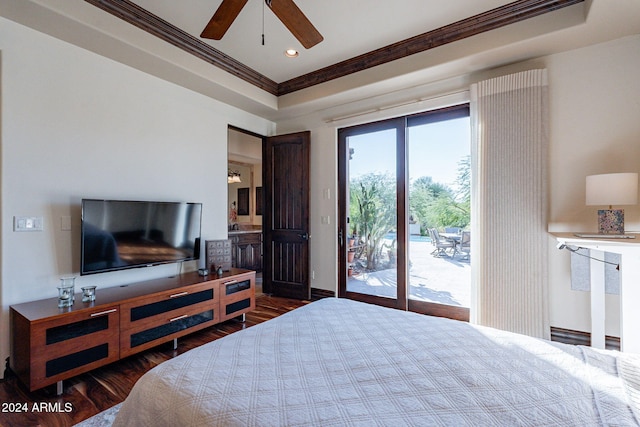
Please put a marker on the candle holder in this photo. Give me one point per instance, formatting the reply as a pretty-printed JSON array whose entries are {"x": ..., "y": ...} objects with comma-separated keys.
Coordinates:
[
  {"x": 66, "y": 291},
  {"x": 88, "y": 293}
]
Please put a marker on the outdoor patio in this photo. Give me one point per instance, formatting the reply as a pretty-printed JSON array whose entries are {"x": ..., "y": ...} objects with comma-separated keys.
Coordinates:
[{"x": 442, "y": 280}]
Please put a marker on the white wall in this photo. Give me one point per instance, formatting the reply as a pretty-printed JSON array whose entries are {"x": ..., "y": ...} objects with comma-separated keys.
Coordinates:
[
  {"x": 324, "y": 203},
  {"x": 74, "y": 125},
  {"x": 595, "y": 128}
]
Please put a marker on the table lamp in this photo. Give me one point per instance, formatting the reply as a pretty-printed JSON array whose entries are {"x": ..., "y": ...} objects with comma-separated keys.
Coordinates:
[{"x": 612, "y": 189}]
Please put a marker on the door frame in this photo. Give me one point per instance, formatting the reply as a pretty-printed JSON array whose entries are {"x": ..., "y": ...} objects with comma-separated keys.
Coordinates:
[
  {"x": 399, "y": 124},
  {"x": 402, "y": 300}
]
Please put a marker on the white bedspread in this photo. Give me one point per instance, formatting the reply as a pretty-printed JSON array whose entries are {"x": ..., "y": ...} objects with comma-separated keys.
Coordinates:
[{"x": 337, "y": 362}]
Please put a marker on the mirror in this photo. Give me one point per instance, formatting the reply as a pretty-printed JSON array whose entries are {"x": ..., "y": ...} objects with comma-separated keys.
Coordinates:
[{"x": 244, "y": 177}]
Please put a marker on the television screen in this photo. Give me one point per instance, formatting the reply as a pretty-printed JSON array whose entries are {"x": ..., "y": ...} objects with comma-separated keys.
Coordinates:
[{"x": 119, "y": 234}]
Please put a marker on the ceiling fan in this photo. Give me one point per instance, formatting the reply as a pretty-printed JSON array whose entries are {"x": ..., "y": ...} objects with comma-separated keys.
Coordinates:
[{"x": 286, "y": 11}]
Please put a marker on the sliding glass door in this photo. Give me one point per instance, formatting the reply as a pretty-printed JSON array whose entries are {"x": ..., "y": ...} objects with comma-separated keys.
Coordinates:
[
  {"x": 399, "y": 180},
  {"x": 370, "y": 222},
  {"x": 438, "y": 147}
]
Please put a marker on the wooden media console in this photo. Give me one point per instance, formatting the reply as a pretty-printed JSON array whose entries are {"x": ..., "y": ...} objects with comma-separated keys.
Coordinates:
[{"x": 51, "y": 344}]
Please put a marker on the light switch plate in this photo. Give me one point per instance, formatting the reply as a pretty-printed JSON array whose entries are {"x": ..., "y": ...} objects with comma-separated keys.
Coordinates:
[
  {"x": 65, "y": 223},
  {"x": 28, "y": 223}
]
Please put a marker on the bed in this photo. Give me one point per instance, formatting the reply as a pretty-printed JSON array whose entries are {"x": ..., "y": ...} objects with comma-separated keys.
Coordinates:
[{"x": 337, "y": 362}]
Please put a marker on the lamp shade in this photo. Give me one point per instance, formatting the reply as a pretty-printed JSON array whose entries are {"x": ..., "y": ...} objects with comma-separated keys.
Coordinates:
[
  {"x": 233, "y": 177},
  {"x": 612, "y": 189}
]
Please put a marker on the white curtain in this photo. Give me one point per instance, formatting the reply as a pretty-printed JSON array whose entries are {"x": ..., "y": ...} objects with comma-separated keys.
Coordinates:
[{"x": 509, "y": 196}]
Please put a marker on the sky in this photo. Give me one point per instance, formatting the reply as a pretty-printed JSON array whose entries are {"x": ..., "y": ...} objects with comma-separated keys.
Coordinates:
[{"x": 434, "y": 150}]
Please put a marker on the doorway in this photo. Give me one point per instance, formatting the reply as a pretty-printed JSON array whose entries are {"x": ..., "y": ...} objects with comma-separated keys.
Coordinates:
[
  {"x": 268, "y": 206},
  {"x": 405, "y": 212},
  {"x": 244, "y": 201}
]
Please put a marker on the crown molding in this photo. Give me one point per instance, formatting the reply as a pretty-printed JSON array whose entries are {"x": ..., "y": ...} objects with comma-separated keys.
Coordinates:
[
  {"x": 491, "y": 20},
  {"x": 147, "y": 21},
  {"x": 510, "y": 13}
]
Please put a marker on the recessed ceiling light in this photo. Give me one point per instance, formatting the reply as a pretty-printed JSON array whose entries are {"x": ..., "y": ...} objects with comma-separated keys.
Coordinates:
[{"x": 291, "y": 53}]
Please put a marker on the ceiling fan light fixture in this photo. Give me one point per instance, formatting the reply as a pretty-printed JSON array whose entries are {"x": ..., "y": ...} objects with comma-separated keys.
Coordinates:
[
  {"x": 291, "y": 53},
  {"x": 285, "y": 10},
  {"x": 233, "y": 177}
]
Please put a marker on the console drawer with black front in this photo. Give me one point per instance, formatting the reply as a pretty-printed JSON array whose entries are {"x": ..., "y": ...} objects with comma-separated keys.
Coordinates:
[
  {"x": 153, "y": 320},
  {"x": 237, "y": 296},
  {"x": 63, "y": 345}
]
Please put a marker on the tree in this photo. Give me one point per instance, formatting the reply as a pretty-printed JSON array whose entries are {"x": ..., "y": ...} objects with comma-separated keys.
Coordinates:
[
  {"x": 424, "y": 194},
  {"x": 436, "y": 205},
  {"x": 373, "y": 207},
  {"x": 463, "y": 180},
  {"x": 373, "y": 213},
  {"x": 462, "y": 202}
]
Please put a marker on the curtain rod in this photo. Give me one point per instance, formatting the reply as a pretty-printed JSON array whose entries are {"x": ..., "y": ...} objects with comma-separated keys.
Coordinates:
[{"x": 398, "y": 105}]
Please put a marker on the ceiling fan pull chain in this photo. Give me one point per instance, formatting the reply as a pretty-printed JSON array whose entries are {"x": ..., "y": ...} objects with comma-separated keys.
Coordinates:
[{"x": 263, "y": 19}]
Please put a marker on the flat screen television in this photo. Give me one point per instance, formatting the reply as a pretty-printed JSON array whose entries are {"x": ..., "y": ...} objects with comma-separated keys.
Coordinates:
[{"x": 120, "y": 234}]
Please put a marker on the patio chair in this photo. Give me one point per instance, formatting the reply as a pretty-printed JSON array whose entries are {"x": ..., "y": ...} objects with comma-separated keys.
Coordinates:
[
  {"x": 453, "y": 230},
  {"x": 430, "y": 231},
  {"x": 441, "y": 244},
  {"x": 465, "y": 244}
]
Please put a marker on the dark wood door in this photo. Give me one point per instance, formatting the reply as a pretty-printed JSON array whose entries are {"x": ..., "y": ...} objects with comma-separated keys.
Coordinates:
[{"x": 286, "y": 215}]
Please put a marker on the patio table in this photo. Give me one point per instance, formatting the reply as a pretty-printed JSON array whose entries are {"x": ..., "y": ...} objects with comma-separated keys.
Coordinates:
[{"x": 455, "y": 238}]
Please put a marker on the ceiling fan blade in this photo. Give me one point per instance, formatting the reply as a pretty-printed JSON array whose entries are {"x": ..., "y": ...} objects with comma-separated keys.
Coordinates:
[
  {"x": 223, "y": 18},
  {"x": 293, "y": 18}
]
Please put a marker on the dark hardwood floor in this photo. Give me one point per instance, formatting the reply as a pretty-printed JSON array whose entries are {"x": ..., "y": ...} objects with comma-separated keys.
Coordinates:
[{"x": 98, "y": 390}]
